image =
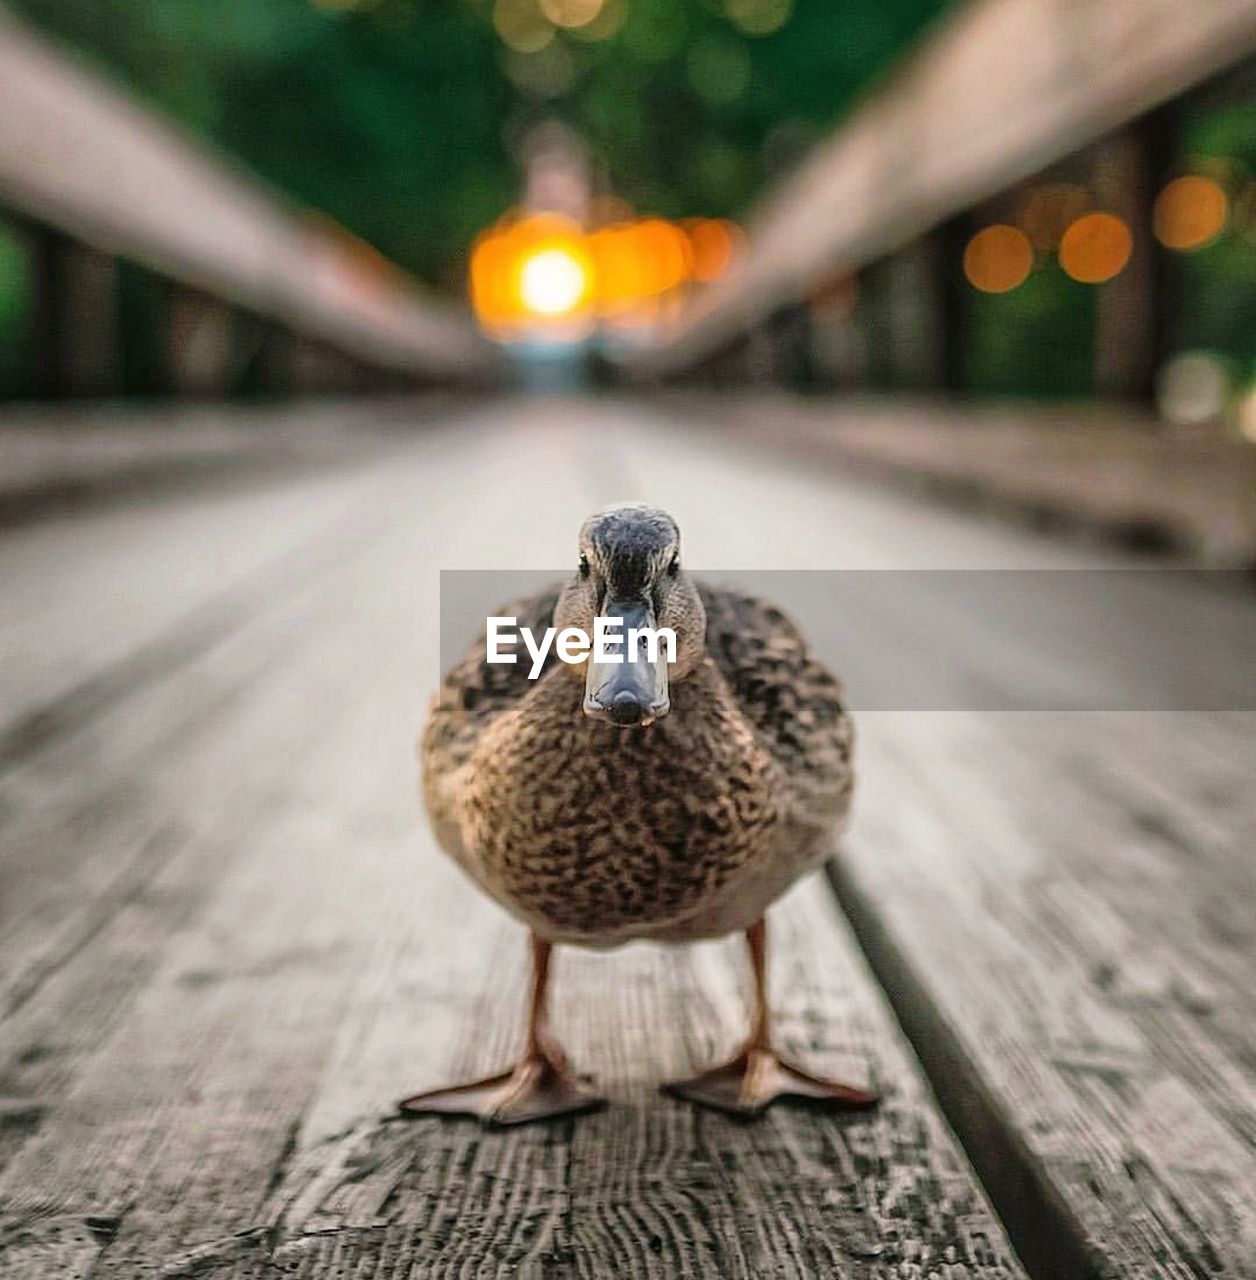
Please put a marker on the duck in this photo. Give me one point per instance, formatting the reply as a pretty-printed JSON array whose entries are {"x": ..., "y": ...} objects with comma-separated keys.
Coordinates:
[{"x": 670, "y": 796}]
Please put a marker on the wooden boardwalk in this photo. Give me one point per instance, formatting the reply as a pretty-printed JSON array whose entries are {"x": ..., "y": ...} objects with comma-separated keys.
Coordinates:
[{"x": 228, "y": 943}]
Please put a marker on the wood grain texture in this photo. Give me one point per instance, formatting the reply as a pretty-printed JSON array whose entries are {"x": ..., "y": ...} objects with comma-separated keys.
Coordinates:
[
  {"x": 651, "y": 1187},
  {"x": 1047, "y": 898},
  {"x": 1061, "y": 907},
  {"x": 242, "y": 947},
  {"x": 228, "y": 944}
]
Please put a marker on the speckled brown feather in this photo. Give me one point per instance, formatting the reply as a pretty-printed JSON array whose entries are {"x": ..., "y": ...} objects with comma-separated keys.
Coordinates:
[{"x": 684, "y": 829}]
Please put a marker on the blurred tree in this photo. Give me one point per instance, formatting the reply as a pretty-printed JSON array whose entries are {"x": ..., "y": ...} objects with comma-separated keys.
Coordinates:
[
  {"x": 401, "y": 118},
  {"x": 1036, "y": 340},
  {"x": 1216, "y": 284},
  {"x": 15, "y": 311}
]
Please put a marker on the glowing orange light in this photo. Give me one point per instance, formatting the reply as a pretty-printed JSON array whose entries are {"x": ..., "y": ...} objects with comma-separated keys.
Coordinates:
[
  {"x": 715, "y": 243},
  {"x": 617, "y": 266},
  {"x": 542, "y": 269},
  {"x": 552, "y": 282},
  {"x": 1189, "y": 212},
  {"x": 529, "y": 270},
  {"x": 1096, "y": 247},
  {"x": 998, "y": 259},
  {"x": 665, "y": 255}
]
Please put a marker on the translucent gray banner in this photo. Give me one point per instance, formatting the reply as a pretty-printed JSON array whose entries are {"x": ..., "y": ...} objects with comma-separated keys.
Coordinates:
[{"x": 1009, "y": 640}]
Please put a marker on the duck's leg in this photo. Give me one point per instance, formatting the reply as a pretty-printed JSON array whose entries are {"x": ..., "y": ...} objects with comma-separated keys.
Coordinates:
[
  {"x": 541, "y": 1085},
  {"x": 758, "y": 1075}
]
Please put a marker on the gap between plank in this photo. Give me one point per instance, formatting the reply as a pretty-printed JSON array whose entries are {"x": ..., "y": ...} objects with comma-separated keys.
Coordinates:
[{"x": 1047, "y": 1237}]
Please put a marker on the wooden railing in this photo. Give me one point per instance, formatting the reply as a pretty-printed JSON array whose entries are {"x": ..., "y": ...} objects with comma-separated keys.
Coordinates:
[
  {"x": 1001, "y": 90},
  {"x": 78, "y": 155}
]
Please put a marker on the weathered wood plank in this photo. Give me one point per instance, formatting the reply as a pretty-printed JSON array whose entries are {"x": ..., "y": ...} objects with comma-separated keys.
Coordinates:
[
  {"x": 1046, "y": 949},
  {"x": 1061, "y": 906},
  {"x": 650, "y": 1187},
  {"x": 169, "y": 763},
  {"x": 170, "y": 557},
  {"x": 300, "y": 956},
  {"x": 53, "y": 896},
  {"x": 182, "y": 1099},
  {"x": 1080, "y": 466}
]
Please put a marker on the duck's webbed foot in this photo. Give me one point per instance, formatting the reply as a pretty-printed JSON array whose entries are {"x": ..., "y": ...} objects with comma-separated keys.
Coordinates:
[
  {"x": 758, "y": 1076},
  {"x": 540, "y": 1087},
  {"x": 749, "y": 1083}
]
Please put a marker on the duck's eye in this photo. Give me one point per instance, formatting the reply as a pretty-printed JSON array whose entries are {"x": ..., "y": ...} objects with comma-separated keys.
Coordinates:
[
  {"x": 584, "y": 566},
  {"x": 674, "y": 568}
]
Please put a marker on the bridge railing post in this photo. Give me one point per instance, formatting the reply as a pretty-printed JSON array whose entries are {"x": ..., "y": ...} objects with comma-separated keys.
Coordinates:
[
  {"x": 145, "y": 335},
  {"x": 1128, "y": 167}
]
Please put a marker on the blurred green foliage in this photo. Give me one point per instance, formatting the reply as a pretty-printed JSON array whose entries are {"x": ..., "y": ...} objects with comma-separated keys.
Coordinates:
[
  {"x": 1036, "y": 340},
  {"x": 1215, "y": 286},
  {"x": 15, "y": 309},
  {"x": 1039, "y": 339},
  {"x": 401, "y": 118}
]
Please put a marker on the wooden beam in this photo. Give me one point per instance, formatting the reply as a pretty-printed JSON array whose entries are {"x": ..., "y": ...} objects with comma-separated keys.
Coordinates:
[
  {"x": 1003, "y": 89},
  {"x": 1059, "y": 955},
  {"x": 78, "y": 154}
]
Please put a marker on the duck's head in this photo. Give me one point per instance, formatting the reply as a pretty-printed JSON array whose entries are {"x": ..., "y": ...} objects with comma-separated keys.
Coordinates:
[{"x": 629, "y": 568}]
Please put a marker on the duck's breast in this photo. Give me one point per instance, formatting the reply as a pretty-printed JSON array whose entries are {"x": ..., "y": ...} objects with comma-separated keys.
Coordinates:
[{"x": 589, "y": 831}]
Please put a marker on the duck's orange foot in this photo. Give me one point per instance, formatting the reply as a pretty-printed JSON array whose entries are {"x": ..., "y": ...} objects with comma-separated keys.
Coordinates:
[
  {"x": 537, "y": 1089},
  {"x": 753, "y": 1080}
]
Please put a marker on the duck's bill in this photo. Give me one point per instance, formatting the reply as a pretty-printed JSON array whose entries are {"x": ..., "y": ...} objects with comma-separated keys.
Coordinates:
[{"x": 634, "y": 690}]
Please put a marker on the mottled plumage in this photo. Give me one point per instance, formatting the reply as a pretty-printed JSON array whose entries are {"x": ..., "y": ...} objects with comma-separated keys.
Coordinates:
[{"x": 687, "y": 828}]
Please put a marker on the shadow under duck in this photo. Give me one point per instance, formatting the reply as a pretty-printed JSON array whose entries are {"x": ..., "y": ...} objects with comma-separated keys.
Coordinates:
[{"x": 605, "y": 803}]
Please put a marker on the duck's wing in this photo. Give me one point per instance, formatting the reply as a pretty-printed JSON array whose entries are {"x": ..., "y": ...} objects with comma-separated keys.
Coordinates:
[
  {"x": 475, "y": 691},
  {"x": 792, "y": 700}
]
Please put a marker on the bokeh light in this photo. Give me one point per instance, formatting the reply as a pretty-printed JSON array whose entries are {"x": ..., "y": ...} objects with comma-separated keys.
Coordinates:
[
  {"x": 552, "y": 282},
  {"x": 522, "y": 25},
  {"x": 760, "y": 17},
  {"x": 715, "y": 243},
  {"x": 1096, "y": 247},
  {"x": 533, "y": 271},
  {"x": 571, "y": 13},
  {"x": 1049, "y": 209},
  {"x": 1192, "y": 388},
  {"x": 1189, "y": 212},
  {"x": 610, "y": 17},
  {"x": 719, "y": 69},
  {"x": 998, "y": 259},
  {"x": 664, "y": 255}
]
